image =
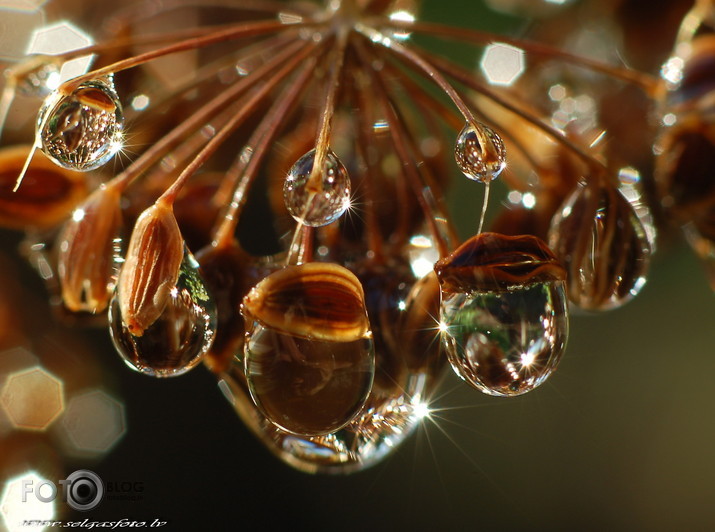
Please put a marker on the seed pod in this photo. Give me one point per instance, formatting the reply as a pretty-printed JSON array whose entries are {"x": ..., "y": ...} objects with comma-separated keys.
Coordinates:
[
  {"x": 47, "y": 195},
  {"x": 490, "y": 261},
  {"x": 151, "y": 267},
  {"x": 331, "y": 300},
  {"x": 602, "y": 243},
  {"x": 87, "y": 252}
]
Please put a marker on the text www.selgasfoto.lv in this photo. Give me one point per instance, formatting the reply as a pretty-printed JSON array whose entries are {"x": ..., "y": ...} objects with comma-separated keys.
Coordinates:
[{"x": 121, "y": 523}]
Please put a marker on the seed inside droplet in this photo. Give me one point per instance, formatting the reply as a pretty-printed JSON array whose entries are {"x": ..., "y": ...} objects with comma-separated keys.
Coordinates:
[
  {"x": 503, "y": 312},
  {"x": 309, "y": 358},
  {"x": 317, "y": 202},
  {"x": 82, "y": 130},
  {"x": 177, "y": 340},
  {"x": 480, "y": 153}
]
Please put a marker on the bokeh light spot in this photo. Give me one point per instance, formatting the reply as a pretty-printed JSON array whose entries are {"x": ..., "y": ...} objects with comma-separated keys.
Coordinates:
[
  {"x": 15, "y": 512},
  {"x": 32, "y": 399},
  {"x": 502, "y": 64},
  {"x": 94, "y": 422}
]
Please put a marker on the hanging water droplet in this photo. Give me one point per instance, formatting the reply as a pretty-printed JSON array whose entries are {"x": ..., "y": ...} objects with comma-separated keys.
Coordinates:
[
  {"x": 385, "y": 421},
  {"x": 81, "y": 130},
  {"x": 323, "y": 201},
  {"x": 603, "y": 245},
  {"x": 177, "y": 340},
  {"x": 503, "y": 312},
  {"x": 309, "y": 357},
  {"x": 480, "y": 153}
]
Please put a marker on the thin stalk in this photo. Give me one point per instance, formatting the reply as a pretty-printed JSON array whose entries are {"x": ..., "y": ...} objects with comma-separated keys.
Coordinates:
[
  {"x": 172, "y": 192},
  {"x": 467, "y": 78},
  {"x": 157, "y": 151},
  {"x": 428, "y": 70},
  {"x": 645, "y": 81},
  {"x": 238, "y": 31},
  {"x": 322, "y": 143},
  {"x": 260, "y": 142},
  {"x": 399, "y": 133}
]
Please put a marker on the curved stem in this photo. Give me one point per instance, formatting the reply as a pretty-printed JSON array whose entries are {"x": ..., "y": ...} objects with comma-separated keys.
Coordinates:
[
  {"x": 259, "y": 143},
  {"x": 399, "y": 134},
  {"x": 467, "y": 78},
  {"x": 645, "y": 81},
  {"x": 171, "y": 193},
  {"x": 237, "y": 31},
  {"x": 195, "y": 121},
  {"x": 322, "y": 143}
]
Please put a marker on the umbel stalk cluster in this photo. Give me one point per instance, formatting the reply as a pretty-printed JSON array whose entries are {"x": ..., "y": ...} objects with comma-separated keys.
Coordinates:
[{"x": 345, "y": 132}]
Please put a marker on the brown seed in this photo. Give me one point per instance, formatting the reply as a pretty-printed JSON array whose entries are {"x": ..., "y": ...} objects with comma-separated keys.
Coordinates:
[
  {"x": 47, "y": 195},
  {"x": 315, "y": 300},
  {"x": 86, "y": 261},
  {"x": 151, "y": 267},
  {"x": 492, "y": 261}
]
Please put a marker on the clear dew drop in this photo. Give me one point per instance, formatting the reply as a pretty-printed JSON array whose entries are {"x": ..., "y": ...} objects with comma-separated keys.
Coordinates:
[
  {"x": 480, "y": 153},
  {"x": 320, "y": 203},
  {"x": 505, "y": 342},
  {"x": 383, "y": 424},
  {"x": 307, "y": 386},
  {"x": 179, "y": 338},
  {"x": 81, "y": 130}
]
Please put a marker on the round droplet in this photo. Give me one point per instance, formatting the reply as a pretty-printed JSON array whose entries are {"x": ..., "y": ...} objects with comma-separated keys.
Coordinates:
[
  {"x": 81, "y": 130},
  {"x": 317, "y": 202},
  {"x": 603, "y": 245},
  {"x": 503, "y": 312},
  {"x": 386, "y": 420},
  {"x": 480, "y": 153},
  {"x": 309, "y": 358},
  {"x": 177, "y": 340}
]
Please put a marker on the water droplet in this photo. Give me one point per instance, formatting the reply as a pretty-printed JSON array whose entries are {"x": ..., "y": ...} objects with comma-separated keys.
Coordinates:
[
  {"x": 603, "y": 245},
  {"x": 480, "y": 153},
  {"x": 81, "y": 130},
  {"x": 503, "y": 312},
  {"x": 383, "y": 424},
  {"x": 180, "y": 336},
  {"x": 320, "y": 203},
  {"x": 309, "y": 357}
]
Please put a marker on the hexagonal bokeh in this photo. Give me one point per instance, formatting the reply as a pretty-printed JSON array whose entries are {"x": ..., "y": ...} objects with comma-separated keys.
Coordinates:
[
  {"x": 62, "y": 37},
  {"x": 94, "y": 422},
  {"x": 502, "y": 64},
  {"x": 15, "y": 511},
  {"x": 32, "y": 399}
]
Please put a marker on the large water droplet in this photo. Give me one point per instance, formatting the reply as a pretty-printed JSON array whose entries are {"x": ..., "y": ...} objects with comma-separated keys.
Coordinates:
[
  {"x": 309, "y": 357},
  {"x": 320, "y": 203},
  {"x": 603, "y": 245},
  {"x": 480, "y": 152},
  {"x": 503, "y": 312},
  {"x": 178, "y": 339},
  {"x": 307, "y": 386},
  {"x": 81, "y": 130}
]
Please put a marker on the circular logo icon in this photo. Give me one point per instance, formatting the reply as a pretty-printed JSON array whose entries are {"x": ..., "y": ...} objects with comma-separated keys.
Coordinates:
[{"x": 85, "y": 490}]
